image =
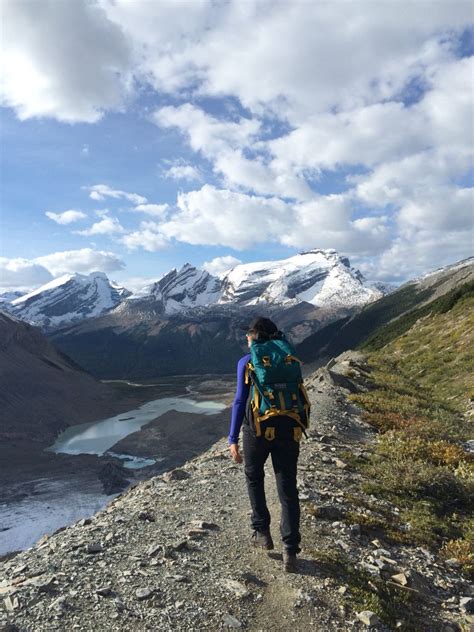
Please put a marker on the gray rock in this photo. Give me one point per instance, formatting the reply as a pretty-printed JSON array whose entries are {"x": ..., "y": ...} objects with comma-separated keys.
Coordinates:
[
  {"x": 467, "y": 604},
  {"x": 146, "y": 516},
  {"x": 201, "y": 524},
  {"x": 329, "y": 512},
  {"x": 104, "y": 591},
  {"x": 231, "y": 622},
  {"x": 94, "y": 547},
  {"x": 144, "y": 593},
  {"x": 60, "y": 603},
  {"x": 44, "y": 584},
  {"x": 236, "y": 587},
  {"x": 368, "y": 617},
  {"x": 178, "y": 578},
  {"x": 176, "y": 475}
]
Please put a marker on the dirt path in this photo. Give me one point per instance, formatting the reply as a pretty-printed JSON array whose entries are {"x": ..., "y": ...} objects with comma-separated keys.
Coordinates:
[{"x": 173, "y": 553}]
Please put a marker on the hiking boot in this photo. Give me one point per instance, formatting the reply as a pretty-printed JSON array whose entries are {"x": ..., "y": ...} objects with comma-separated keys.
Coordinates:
[
  {"x": 262, "y": 540},
  {"x": 289, "y": 562}
]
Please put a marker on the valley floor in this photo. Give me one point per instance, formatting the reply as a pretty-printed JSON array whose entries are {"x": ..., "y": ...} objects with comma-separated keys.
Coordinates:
[{"x": 173, "y": 554}]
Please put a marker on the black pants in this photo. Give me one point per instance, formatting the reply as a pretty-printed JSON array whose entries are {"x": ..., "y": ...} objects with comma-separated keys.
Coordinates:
[{"x": 285, "y": 454}]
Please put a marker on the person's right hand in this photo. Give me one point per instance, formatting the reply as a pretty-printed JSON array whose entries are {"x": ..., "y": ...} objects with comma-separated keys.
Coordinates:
[{"x": 234, "y": 453}]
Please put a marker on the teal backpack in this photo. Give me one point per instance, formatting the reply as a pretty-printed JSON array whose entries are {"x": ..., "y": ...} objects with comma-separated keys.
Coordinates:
[{"x": 278, "y": 399}]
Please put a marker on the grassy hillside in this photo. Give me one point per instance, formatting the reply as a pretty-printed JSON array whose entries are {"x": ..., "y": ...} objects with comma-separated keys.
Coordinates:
[
  {"x": 347, "y": 333},
  {"x": 415, "y": 299},
  {"x": 421, "y": 399}
]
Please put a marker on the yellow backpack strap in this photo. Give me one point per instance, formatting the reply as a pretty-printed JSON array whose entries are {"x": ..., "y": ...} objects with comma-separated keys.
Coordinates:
[
  {"x": 248, "y": 368},
  {"x": 270, "y": 433}
]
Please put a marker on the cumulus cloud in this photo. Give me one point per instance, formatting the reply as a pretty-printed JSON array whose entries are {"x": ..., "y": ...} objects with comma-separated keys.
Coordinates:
[
  {"x": 220, "y": 265},
  {"x": 214, "y": 216},
  {"x": 220, "y": 217},
  {"x": 53, "y": 69},
  {"x": 66, "y": 217},
  {"x": 22, "y": 274},
  {"x": 204, "y": 132},
  {"x": 328, "y": 222},
  {"x": 81, "y": 260},
  {"x": 222, "y": 142},
  {"x": 106, "y": 226},
  {"x": 157, "y": 210},
  {"x": 183, "y": 172},
  {"x": 148, "y": 237},
  {"x": 102, "y": 191},
  {"x": 27, "y": 274}
]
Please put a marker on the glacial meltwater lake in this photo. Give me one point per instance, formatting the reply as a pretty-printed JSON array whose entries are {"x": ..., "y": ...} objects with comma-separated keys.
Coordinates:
[
  {"x": 43, "y": 505},
  {"x": 99, "y": 436}
]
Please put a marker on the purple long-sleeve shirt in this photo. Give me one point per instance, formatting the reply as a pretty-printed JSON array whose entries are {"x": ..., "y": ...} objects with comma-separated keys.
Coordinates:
[{"x": 240, "y": 400}]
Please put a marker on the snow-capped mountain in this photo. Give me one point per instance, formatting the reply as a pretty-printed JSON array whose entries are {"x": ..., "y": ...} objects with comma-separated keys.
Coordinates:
[
  {"x": 188, "y": 287},
  {"x": 8, "y": 297},
  {"x": 69, "y": 298},
  {"x": 320, "y": 277}
]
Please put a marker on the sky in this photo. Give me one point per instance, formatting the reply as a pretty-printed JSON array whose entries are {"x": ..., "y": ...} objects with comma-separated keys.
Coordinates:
[{"x": 138, "y": 135}]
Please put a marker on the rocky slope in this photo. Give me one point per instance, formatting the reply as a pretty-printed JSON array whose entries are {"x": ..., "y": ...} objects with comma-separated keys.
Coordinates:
[
  {"x": 173, "y": 553},
  {"x": 179, "y": 290},
  {"x": 41, "y": 389},
  {"x": 67, "y": 299},
  {"x": 136, "y": 341}
]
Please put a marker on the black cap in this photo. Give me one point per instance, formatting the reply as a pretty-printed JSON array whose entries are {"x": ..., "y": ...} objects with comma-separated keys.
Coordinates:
[{"x": 262, "y": 327}]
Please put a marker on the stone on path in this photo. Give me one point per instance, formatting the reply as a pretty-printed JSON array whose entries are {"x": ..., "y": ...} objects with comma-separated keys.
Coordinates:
[
  {"x": 368, "y": 617},
  {"x": 143, "y": 593},
  {"x": 231, "y": 622},
  {"x": 176, "y": 475},
  {"x": 400, "y": 578}
]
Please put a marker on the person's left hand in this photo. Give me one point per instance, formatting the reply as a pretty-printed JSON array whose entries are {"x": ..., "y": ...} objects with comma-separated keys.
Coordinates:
[{"x": 234, "y": 453}]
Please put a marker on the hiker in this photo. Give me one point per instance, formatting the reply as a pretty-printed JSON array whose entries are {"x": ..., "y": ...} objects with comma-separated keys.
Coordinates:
[{"x": 258, "y": 406}]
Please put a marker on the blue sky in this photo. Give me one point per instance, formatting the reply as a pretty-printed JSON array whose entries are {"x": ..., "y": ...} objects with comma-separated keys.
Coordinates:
[{"x": 214, "y": 133}]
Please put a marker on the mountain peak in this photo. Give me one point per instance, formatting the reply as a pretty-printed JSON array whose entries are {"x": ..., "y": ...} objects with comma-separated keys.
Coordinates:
[{"x": 68, "y": 298}]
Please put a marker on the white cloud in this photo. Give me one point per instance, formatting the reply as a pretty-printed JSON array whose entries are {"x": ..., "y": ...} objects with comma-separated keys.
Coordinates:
[
  {"x": 66, "y": 217},
  {"x": 101, "y": 191},
  {"x": 81, "y": 260},
  {"x": 183, "y": 172},
  {"x": 343, "y": 55},
  {"x": 64, "y": 60},
  {"x": 223, "y": 142},
  {"x": 106, "y": 226},
  {"x": 427, "y": 250},
  {"x": 327, "y": 223},
  {"x": 22, "y": 274},
  {"x": 136, "y": 284},
  {"x": 148, "y": 237},
  {"x": 220, "y": 265},
  {"x": 220, "y": 217},
  {"x": 213, "y": 216},
  {"x": 204, "y": 132},
  {"x": 27, "y": 274},
  {"x": 156, "y": 210}
]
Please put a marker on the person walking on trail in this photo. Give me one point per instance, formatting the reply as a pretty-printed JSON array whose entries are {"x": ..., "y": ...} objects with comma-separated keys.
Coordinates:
[{"x": 272, "y": 407}]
